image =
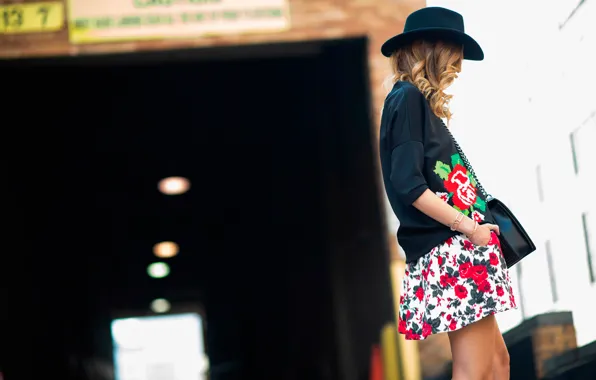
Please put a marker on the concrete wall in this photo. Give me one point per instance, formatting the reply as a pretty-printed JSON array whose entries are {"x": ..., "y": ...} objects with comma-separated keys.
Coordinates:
[
  {"x": 563, "y": 105},
  {"x": 528, "y": 96}
]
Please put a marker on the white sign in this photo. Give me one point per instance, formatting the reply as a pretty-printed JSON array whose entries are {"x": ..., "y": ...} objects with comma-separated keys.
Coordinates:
[
  {"x": 93, "y": 21},
  {"x": 166, "y": 347}
]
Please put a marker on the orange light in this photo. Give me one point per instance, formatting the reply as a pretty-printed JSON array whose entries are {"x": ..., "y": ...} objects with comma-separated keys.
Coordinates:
[
  {"x": 165, "y": 249},
  {"x": 174, "y": 185}
]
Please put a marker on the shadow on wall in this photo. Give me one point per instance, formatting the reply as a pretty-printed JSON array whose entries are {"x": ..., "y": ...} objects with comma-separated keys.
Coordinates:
[{"x": 90, "y": 369}]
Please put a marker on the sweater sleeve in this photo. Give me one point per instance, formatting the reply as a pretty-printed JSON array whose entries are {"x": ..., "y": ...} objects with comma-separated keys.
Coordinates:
[
  {"x": 407, "y": 152},
  {"x": 407, "y": 162}
]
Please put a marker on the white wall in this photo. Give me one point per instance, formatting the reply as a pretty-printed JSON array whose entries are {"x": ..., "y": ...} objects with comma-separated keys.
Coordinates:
[{"x": 515, "y": 111}]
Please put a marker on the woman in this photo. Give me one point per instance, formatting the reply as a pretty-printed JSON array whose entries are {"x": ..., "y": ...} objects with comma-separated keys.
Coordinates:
[{"x": 456, "y": 279}]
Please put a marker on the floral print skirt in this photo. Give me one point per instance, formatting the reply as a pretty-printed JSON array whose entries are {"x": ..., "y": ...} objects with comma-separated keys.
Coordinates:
[{"x": 454, "y": 285}]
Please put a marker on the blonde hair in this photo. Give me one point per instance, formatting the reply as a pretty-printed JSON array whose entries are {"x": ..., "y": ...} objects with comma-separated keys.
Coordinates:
[{"x": 431, "y": 67}]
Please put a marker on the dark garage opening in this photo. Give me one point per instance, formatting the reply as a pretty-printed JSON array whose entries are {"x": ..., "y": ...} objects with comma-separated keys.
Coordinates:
[{"x": 281, "y": 236}]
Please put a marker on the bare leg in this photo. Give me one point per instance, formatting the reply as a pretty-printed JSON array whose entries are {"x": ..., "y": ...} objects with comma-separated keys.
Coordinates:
[
  {"x": 473, "y": 350},
  {"x": 501, "y": 357}
]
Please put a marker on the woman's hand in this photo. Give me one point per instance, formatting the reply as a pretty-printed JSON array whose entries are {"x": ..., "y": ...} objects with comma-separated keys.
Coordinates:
[
  {"x": 482, "y": 235},
  {"x": 433, "y": 206}
]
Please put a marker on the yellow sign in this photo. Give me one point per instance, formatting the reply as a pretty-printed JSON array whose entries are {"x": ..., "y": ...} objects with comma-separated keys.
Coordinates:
[
  {"x": 31, "y": 17},
  {"x": 118, "y": 20}
]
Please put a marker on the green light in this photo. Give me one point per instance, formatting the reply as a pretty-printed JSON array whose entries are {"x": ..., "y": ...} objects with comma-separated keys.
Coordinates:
[{"x": 158, "y": 270}]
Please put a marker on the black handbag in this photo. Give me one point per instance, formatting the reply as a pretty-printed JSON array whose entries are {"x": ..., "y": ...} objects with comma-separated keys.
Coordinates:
[{"x": 515, "y": 242}]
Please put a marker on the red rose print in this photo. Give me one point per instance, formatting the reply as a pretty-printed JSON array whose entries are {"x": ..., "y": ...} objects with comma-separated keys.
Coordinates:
[
  {"x": 468, "y": 246},
  {"x": 458, "y": 183},
  {"x": 444, "y": 196},
  {"x": 470, "y": 283},
  {"x": 449, "y": 241},
  {"x": 477, "y": 217},
  {"x": 479, "y": 273},
  {"x": 484, "y": 287},
  {"x": 493, "y": 239},
  {"x": 411, "y": 336},
  {"x": 420, "y": 293},
  {"x": 500, "y": 291},
  {"x": 479, "y": 312},
  {"x": 447, "y": 280},
  {"x": 494, "y": 259},
  {"x": 402, "y": 326},
  {"x": 465, "y": 270},
  {"x": 443, "y": 280},
  {"x": 461, "y": 292}
]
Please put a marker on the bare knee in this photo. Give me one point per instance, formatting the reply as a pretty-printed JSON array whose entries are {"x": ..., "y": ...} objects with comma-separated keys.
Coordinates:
[
  {"x": 502, "y": 359},
  {"x": 474, "y": 349},
  {"x": 462, "y": 371},
  {"x": 501, "y": 364},
  {"x": 481, "y": 366}
]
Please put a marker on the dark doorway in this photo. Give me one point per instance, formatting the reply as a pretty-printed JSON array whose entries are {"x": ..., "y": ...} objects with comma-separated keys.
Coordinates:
[{"x": 280, "y": 235}]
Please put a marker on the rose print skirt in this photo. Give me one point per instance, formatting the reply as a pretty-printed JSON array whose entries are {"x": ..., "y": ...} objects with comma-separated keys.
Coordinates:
[{"x": 454, "y": 285}]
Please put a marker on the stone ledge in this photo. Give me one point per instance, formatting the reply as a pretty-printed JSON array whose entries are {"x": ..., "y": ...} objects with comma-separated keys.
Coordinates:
[
  {"x": 560, "y": 364},
  {"x": 525, "y": 329}
]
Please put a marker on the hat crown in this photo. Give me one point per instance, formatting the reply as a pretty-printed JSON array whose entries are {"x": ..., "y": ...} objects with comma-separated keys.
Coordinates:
[{"x": 434, "y": 17}]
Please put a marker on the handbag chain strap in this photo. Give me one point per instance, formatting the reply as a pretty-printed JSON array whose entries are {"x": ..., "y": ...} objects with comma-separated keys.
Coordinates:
[{"x": 487, "y": 196}]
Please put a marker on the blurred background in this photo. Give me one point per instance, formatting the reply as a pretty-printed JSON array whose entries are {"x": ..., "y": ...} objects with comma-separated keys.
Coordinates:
[{"x": 191, "y": 188}]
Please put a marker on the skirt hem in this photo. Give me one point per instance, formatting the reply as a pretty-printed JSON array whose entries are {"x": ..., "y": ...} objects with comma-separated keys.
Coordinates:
[{"x": 485, "y": 313}]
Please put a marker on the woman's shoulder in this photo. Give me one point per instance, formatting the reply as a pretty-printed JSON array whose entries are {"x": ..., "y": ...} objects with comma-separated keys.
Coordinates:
[
  {"x": 405, "y": 95},
  {"x": 403, "y": 115}
]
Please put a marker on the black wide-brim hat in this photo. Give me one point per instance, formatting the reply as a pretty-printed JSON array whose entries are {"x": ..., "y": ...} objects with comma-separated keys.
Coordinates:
[{"x": 435, "y": 23}]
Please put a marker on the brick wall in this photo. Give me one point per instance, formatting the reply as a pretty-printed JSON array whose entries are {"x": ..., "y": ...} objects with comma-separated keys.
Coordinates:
[
  {"x": 435, "y": 354},
  {"x": 550, "y": 341},
  {"x": 310, "y": 19},
  {"x": 539, "y": 339}
]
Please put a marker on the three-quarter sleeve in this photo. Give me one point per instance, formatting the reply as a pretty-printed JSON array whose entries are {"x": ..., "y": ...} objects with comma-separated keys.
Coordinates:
[
  {"x": 407, "y": 162},
  {"x": 407, "y": 148}
]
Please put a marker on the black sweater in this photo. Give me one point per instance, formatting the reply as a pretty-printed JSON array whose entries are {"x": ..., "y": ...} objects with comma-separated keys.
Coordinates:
[{"x": 417, "y": 153}]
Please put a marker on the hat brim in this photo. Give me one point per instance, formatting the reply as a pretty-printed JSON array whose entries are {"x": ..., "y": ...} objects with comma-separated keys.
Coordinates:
[{"x": 472, "y": 50}]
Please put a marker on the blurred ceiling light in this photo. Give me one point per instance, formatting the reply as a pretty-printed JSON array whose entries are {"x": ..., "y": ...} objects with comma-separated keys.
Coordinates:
[
  {"x": 160, "y": 305},
  {"x": 165, "y": 249},
  {"x": 158, "y": 270},
  {"x": 174, "y": 185}
]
